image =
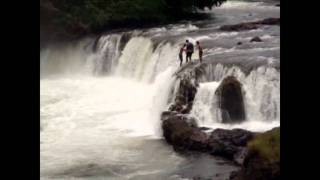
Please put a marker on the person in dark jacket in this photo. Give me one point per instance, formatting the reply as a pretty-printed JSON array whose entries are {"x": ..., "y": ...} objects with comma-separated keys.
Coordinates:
[{"x": 189, "y": 50}]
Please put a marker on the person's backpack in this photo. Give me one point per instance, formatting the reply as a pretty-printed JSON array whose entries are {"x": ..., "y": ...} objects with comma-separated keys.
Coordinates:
[{"x": 190, "y": 47}]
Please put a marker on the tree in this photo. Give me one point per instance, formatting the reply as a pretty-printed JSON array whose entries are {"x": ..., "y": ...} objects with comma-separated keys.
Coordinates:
[{"x": 91, "y": 15}]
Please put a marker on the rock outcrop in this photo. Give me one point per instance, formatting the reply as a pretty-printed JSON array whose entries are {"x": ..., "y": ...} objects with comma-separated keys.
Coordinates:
[
  {"x": 182, "y": 131},
  {"x": 263, "y": 158},
  {"x": 183, "y": 134},
  {"x": 184, "y": 97},
  {"x": 250, "y": 25},
  {"x": 258, "y": 154},
  {"x": 256, "y": 39},
  {"x": 230, "y": 144}
]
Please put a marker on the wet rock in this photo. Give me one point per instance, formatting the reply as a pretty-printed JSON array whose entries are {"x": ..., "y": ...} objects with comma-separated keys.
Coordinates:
[
  {"x": 167, "y": 115},
  {"x": 229, "y": 143},
  {"x": 256, "y": 39},
  {"x": 270, "y": 21},
  {"x": 184, "y": 98},
  {"x": 231, "y": 100},
  {"x": 239, "y": 27},
  {"x": 262, "y": 160},
  {"x": 250, "y": 25},
  {"x": 205, "y": 128},
  {"x": 256, "y": 167},
  {"x": 183, "y": 133},
  {"x": 234, "y": 175},
  {"x": 200, "y": 178},
  {"x": 240, "y": 156},
  {"x": 237, "y": 137}
]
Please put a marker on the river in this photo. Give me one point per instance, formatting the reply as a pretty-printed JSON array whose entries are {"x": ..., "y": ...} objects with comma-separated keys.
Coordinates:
[{"x": 101, "y": 99}]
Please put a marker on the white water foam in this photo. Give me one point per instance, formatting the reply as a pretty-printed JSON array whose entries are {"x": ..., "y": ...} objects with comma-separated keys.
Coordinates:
[
  {"x": 205, "y": 106},
  {"x": 245, "y": 5},
  {"x": 261, "y": 91}
]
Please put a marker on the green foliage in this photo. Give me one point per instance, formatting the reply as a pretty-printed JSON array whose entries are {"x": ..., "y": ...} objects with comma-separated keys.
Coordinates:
[
  {"x": 267, "y": 145},
  {"x": 96, "y": 14}
]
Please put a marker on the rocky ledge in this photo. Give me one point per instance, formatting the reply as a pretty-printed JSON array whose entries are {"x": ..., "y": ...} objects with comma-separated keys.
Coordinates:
[
  {"x": 258, "y": 154},
  {"x": 184, "y": 98},
  {"x": 183, "y": 134},
  {"x": 263, "y": 158},
  {"x": 250, "y": 150},
  {"x": 250, "y": 25}
]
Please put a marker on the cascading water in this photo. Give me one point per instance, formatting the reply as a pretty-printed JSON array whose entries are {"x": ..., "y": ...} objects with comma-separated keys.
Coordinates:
[
  {"x": 130, "y": 78},
  {"x": 261, "y": 91},
  {"x": 108, "y": 52},
  {"x": 101, "y": 100},
  {"x": 85, "y": 113},
  {"x": 205, "y": 105}
]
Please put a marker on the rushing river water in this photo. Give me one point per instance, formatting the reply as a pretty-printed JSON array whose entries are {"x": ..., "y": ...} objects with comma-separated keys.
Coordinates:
[{"x": 100, "y": 101}]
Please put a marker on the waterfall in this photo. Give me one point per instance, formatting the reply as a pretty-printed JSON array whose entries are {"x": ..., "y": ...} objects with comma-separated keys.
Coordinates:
[
  {"x": 128, "y": 86},
  {"x": 101, "y": 98},
  {"x": 261, "y": 91},
  {"x": 143, "y": 61},
  {"x": 135, "y": 58},
  {"x": 205, "y": 105},
  {"x": 108, "y": 52}
]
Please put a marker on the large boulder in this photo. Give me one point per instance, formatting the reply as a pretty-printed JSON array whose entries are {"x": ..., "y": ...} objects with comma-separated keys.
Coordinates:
[
  {"x": 182, "y": 132},
  {"x": 230, "y": 100},
  {"x": 256, "y": 39},
  {"x": 263, "y": 158},
  {"x": 257, "y": 168},
  {"x": 230, "y": 144}
]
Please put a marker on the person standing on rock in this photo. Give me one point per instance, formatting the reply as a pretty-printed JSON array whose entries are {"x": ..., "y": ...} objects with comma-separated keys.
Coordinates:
[
  {"x": 200, "y": 51},
  {"x": 190, "y": 49},
  {"x": 180, "y": 53}
]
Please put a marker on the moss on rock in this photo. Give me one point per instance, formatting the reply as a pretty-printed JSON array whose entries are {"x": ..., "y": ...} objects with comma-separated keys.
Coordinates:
[{"x": 267, "y": 145}]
